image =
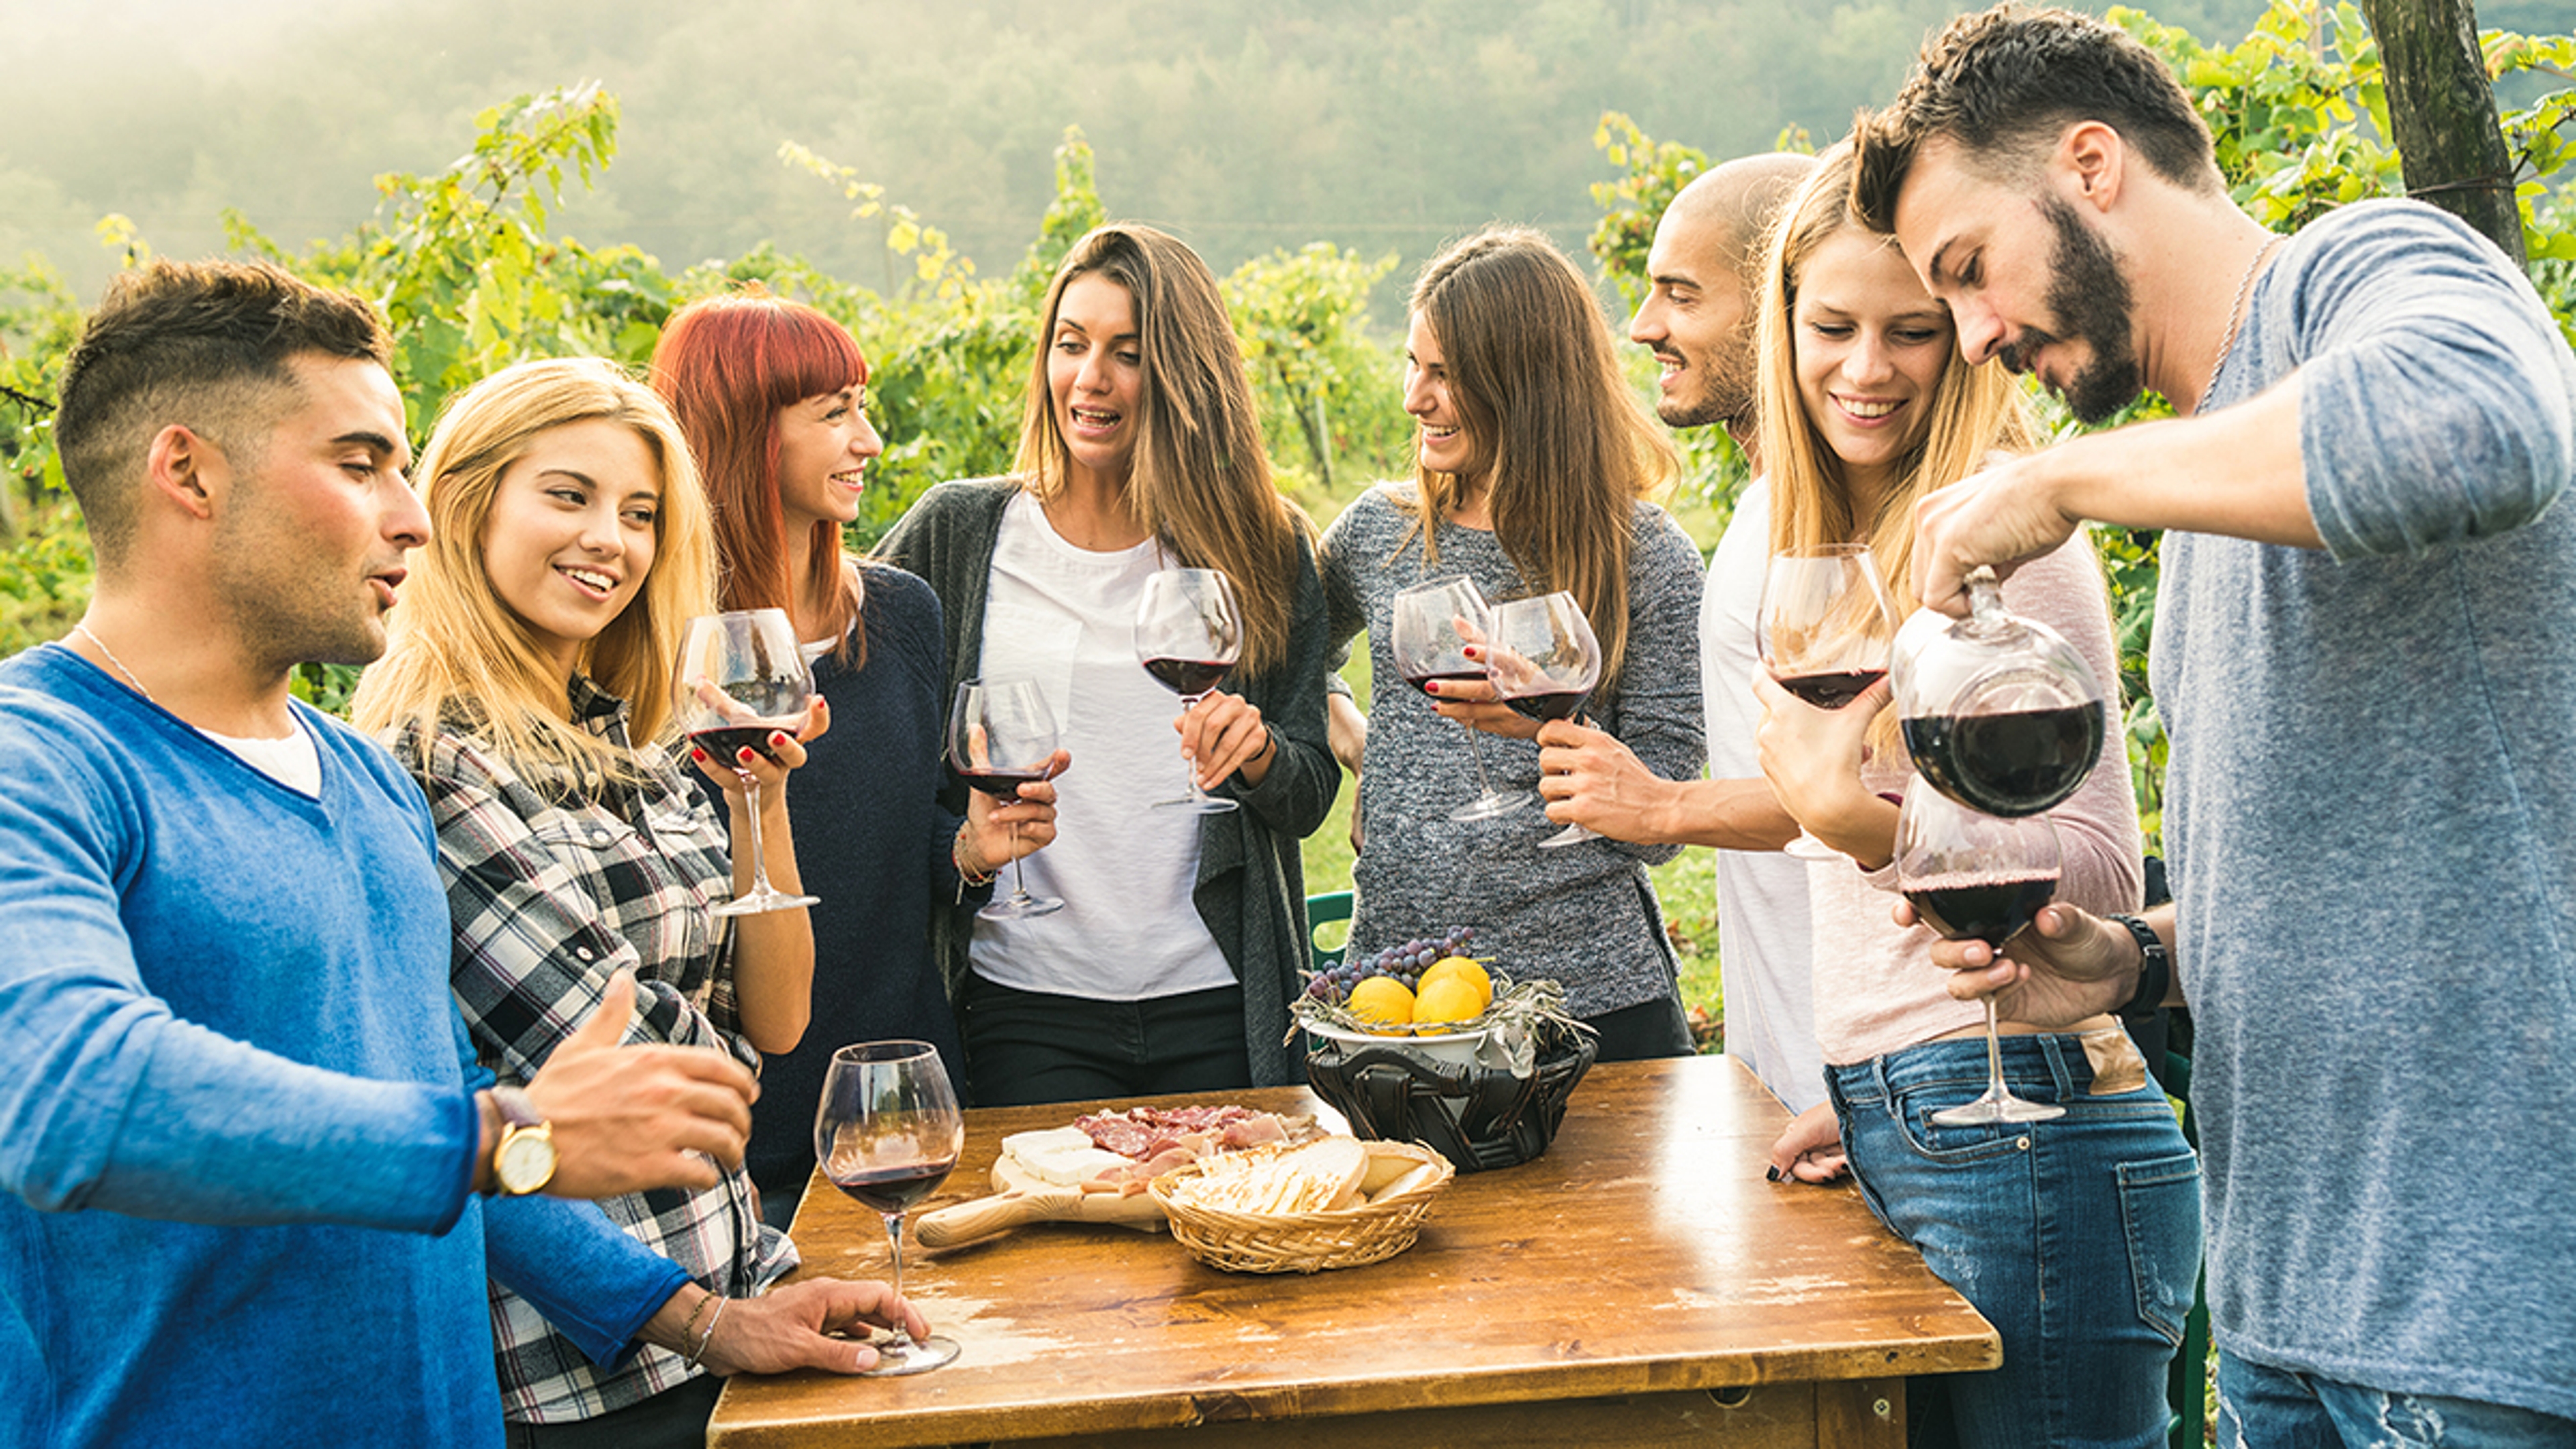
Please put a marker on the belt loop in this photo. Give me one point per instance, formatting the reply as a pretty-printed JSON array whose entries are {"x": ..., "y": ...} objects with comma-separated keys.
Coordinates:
[{"x": 2058, "y": 1045}]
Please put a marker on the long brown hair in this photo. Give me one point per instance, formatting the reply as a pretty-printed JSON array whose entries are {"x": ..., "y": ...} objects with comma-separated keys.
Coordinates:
[
  {"x": 452, "y": 642},
  {"x": 1551, "y": 422},
  {"x": 727, "y": 365},
  {"x": 1200, "y": 476}
]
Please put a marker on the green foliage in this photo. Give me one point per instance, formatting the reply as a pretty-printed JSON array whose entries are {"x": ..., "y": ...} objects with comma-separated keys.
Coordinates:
[{"x": 1302, "y": 318}]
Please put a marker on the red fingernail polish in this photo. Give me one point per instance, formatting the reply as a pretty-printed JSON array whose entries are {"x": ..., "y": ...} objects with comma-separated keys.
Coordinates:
[
  {"x": 1432, "y": 686},
  {"x": 696, "y": 754}
]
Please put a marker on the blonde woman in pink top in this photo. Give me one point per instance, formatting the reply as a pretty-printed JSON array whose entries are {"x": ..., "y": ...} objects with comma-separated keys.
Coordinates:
[{"x": 2079, "y": 1238}]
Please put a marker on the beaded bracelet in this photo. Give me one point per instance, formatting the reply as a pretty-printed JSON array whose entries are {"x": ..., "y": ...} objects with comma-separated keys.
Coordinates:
[
  {"x": 693, "y": 1355},
  {"x": 965, "y": 872}
]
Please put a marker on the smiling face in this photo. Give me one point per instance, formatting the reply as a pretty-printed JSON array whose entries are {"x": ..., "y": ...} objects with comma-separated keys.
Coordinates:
[
  {"x": 2029, "y": 278},
  {"x": 571, "y": 534},
  {"x": 1694, "y": 319},
  {"x": 825, "y": 444},
  {"x": 1443, "y": 442},
  {"x": 1096, "y": 375},
  {"x": 310, "y": 548},
  {"x": 1871, "y": 346}
]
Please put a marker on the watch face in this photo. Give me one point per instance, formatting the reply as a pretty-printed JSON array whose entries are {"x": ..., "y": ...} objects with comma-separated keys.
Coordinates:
[{"x": 526, "y": 1162}]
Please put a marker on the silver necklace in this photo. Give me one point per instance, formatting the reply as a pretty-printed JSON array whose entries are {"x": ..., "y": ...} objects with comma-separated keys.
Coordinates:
[
  {"x": 2236, "y": 311},
  {"x": 101, "y": 646}
]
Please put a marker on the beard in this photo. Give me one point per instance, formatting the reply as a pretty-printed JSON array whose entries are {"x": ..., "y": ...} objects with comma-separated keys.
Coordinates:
[
  {"x": 2088, "y": 302},
  {"x": 1725, "y": 396}
]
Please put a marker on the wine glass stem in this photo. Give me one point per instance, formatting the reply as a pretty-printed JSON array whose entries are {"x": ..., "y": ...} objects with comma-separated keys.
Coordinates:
[
  {"x": 1019, "y": 866},
  {"x": 1994, "y": 1052},
  {"x": 1476, "y": 752},
  {"x": 894, "y": 1236},
  {"x": 759, "y": 862},
  {"x": 1190, "y": 702}
]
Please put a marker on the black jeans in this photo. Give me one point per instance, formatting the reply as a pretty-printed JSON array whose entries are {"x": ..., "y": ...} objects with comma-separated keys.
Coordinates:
[
  {"x": 672, "y": 1419},
  {"x": 1642, "y": 1032},
  {"x": 1025, "y": 1047}
]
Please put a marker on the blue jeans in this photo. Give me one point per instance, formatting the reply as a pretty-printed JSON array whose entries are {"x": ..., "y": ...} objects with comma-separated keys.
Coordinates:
[
  {"x": 2269, "y": 1408},
  {"x": 2078, "y": 1239}
]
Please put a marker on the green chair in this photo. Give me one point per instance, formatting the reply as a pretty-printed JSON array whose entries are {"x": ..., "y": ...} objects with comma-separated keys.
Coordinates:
[
  {"x": 2186, "y": 1382},
  {"x": 1322, "y": 911}
]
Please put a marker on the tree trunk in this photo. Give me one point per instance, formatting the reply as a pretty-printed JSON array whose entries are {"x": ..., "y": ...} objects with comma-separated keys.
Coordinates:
[{"x": 2444, "y": 114}]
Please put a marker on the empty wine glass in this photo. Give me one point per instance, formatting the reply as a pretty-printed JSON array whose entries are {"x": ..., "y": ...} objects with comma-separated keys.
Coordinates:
[
  {"x": 1543, "y": 662},
  {"x": 1189, "y": 633},
  {"x": 1002, "y": 735},
  {"x": 1974, "y": 876},
  {"x": 1824, "y": 629},
  {"x": 741, "y": 678},
  {"x": 887, "y": 1133},
  {"x": 1434, "y": 622}
]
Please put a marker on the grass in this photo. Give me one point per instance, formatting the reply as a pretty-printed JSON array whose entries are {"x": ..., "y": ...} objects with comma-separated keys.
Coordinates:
[{"x": 1687, "y": 885}]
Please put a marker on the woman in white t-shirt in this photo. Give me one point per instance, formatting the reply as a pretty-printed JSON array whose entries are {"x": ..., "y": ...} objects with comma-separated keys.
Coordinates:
[{"x": 1172, "y": 963}]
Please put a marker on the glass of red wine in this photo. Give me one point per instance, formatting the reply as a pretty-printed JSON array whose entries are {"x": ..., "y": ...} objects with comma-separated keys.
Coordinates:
[
  {"x": 1189, "y": 633},
  {"x": 887, "y": 1133},
  {"x": 1002, "y": 735},
  {"x": 1433, "y": 623},
  {"x": 1974, "y": 876},
  {"x": 741, "y": 678},
  {"x": 1999, "y": 712},
  {"x": 1823, "y": 629},
  {"x": 1543, "y": 662}
]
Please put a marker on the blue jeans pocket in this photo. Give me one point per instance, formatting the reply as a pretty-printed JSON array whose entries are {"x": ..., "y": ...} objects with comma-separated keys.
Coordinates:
[{"x": 2160, "y": 1209}]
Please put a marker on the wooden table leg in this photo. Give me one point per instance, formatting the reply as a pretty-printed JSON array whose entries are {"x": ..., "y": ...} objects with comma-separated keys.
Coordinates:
[{"x": 1861, "y": 1414}]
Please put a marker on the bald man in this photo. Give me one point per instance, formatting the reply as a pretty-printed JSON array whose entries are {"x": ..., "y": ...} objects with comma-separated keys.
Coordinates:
[{"x": 1698, "y": 320}]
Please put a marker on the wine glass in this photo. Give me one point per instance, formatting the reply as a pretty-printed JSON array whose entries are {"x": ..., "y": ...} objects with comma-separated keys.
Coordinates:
[
  {"x": 1970, "y": 875},
  {"x": 1002, "y": 735},
  {"x": 1189, "y": 633},
  {"x": 1999, "y": 712},
  {"x": 1434, "y": 622},
  {"x": 1824, "y": 629},
  {"x": 1543, "y": 662},
  {"x": 887, "y": 1132},
  {"x": 740, "y": 677}
]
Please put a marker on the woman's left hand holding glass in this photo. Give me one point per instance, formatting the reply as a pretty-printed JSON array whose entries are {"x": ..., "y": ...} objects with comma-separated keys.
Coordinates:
[
  {"x": 1813, "y": 759},
  {"x": 785, "y": 753},
  {"x": 1223, "y": 736}
]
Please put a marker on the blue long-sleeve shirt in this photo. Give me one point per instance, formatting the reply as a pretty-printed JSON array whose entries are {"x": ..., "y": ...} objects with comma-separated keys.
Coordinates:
[{"x": 237, "y": 1128}]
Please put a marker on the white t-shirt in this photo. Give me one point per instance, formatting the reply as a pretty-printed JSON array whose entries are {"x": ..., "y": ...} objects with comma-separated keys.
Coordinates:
[
  {"x": 1763, "y": 939},
  {"x": 1066, "y": 618},
  {"x": 292, "y": 761}
]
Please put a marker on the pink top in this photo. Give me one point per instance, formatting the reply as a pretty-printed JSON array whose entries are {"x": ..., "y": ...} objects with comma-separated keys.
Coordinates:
[{"x": 1876, "y": 987}]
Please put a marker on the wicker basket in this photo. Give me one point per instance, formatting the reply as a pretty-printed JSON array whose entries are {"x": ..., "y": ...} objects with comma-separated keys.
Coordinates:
[{"x": 1305, "y": 1242}]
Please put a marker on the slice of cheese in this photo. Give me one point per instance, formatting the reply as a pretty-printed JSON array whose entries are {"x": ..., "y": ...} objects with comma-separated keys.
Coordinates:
[{"x": 1064, "y": 1156}]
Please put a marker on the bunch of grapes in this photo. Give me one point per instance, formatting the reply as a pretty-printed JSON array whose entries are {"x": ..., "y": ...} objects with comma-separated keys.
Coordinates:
[{"x": 1405, "y": 961}]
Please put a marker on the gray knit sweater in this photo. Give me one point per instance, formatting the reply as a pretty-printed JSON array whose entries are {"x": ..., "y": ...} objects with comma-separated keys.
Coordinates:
[
  {"x": 1585, "y": 914},
  {"x": 1251, "y": 888}
]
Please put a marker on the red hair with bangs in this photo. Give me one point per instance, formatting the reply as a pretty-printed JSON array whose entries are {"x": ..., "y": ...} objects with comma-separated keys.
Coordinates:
[{"x": 727, "y": 365}]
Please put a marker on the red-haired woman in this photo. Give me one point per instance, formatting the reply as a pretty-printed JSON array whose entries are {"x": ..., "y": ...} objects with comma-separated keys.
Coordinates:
[{"x": 773, "y": 397}]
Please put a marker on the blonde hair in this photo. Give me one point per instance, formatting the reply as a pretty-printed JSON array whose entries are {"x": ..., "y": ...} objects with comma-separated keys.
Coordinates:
[
  {"x": 456, "y": 652},
  {"x": 1200, "y": 476},
  {"x": 1972, "y": 411},
  {"x": 1550, "y": 421}
]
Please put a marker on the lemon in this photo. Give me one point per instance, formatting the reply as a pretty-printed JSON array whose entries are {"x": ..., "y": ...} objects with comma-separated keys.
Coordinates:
[
  {"x": 1465, "y": 969},
  {"x": 1452, "y": 998},
  {"x": 1383, "y": 999}
]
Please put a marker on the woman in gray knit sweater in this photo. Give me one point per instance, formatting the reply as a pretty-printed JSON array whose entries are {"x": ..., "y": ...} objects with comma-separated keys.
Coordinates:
[{"x": 1534, "y": 465}]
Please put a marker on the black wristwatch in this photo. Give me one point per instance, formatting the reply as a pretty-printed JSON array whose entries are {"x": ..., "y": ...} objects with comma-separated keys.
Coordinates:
[{"x": 2155, "y": 971}]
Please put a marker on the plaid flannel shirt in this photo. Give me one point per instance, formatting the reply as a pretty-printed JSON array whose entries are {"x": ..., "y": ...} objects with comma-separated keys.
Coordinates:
[{"x": 549, "y": 897}]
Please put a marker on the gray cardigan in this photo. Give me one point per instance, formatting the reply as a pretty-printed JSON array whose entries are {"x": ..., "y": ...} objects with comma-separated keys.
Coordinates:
[{"x": 1251, "y": 888}]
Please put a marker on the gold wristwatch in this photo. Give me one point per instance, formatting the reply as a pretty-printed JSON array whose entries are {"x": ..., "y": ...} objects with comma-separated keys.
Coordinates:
[{"x": 523, "y": 1161}]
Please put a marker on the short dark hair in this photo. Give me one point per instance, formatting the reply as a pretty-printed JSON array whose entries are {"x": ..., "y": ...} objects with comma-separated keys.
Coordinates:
[
  {"x": 2004, "y": 84},
  {"x": 201, "y": 344}
]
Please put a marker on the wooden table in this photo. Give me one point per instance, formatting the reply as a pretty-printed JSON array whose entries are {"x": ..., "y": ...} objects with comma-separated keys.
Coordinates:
[{"x": 1640, "y": 1284}]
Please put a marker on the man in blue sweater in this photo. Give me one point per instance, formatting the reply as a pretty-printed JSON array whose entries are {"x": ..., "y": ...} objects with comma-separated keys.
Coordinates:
[
  {"x": 2363, "y": 660},
  {"x": 241, "y": 1132}
]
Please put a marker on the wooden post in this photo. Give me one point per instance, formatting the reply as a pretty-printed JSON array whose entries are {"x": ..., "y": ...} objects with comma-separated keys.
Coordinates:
[{"x": 2444, "y": 113}]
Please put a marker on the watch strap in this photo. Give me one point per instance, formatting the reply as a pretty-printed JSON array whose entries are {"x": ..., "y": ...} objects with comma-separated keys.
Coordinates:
[{"x": 2155, "y": 971}]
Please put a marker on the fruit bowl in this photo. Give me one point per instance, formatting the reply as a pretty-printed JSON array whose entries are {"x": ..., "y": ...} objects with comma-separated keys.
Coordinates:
[{"x": 1433, "y": 1042}]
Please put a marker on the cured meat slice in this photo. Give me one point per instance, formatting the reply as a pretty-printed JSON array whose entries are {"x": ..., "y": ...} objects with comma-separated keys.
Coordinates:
[{"x": 1154, "y": 1140}]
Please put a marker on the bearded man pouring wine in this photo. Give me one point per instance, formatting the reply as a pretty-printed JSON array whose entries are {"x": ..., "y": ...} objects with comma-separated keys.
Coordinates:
[{"x": 2363, "y": 662}]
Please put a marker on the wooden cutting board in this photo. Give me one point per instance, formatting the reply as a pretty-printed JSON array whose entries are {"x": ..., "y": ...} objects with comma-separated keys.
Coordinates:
[{"x": 1021, "y": 1196}]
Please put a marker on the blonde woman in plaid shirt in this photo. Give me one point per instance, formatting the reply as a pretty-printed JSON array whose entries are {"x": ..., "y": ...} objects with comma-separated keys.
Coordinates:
[{"x": 527, "y": 685}]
